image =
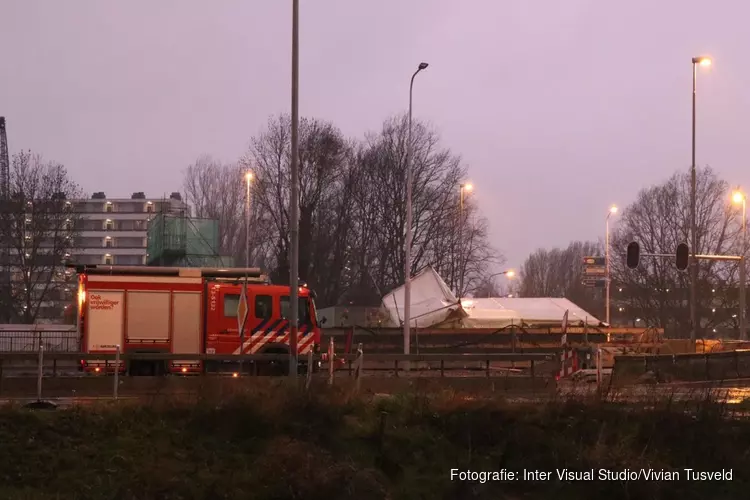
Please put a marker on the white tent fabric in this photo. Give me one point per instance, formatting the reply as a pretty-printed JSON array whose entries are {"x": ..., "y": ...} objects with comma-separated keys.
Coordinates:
[
  {"x": 505, "y": 311},
  {"x": 431, "y": 301},
  {"x": 434, "y": 305}
]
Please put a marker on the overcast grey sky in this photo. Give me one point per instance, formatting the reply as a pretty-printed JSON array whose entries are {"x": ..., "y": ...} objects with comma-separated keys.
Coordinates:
[{"x": 559, "y": 108}]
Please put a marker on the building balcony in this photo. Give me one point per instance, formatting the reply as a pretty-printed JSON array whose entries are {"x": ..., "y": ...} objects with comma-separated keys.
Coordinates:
[
  {"x": 109, "y": 250},
  {"x": 118, "y": 233}
]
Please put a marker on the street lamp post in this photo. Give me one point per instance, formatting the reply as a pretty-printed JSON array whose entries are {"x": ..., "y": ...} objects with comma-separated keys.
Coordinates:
[
  {"x": 294, "y": 202},
  {"x": 407, "y": 243},
  {"x": 248, "y": 180},
  {"x": 465, "y": 188},
  {"x": 703, "y": 61},
  {"x": 509, "y": 273},
  {"x": 612, "y": 210},
  {"x": 740, "y": 198}
]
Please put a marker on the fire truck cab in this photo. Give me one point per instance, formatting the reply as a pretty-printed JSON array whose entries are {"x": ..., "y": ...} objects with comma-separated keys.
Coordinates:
[{"x": 174, "y": 310}]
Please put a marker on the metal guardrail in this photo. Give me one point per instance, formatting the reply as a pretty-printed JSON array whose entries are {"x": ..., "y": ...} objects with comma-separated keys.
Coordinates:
[
  {"x": 384, "y": 358},
  {"x": 29, "y": 340}
]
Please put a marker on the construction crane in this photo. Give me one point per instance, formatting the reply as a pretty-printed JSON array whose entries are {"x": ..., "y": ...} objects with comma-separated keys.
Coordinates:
[
  {"x": 5, "y": 279},
  {"x": 4, "y": 163}
]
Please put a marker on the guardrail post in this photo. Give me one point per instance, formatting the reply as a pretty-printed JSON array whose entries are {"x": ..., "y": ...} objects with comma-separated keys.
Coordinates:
[
  {"x": 705, "y": 356},
  {"x": 532, "y": 372},
  {"x": 40, "y": 372},
  {"x": 308, "y": 380},
  {"x": 442, "y": 368},
  {"x": 599, "y": 369},
  {"x": 117, "y": 371},
  {"x": 487, "y": 362},
  {"x": 359, "y": 362},
  {"x": 331, "y": 355},
  {"x": 381, "y": 433},
  {"x": 736, "y": 365}
]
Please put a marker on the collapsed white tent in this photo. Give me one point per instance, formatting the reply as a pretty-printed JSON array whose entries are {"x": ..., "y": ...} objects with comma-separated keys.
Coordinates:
[
  {"x": 432, "y": 302},
  {"x": 529, "y": 312},
  {"x": 434, "y": 305}
]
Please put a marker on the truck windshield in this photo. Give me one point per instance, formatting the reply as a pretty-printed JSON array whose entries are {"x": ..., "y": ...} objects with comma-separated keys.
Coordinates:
[{"x": 304, "y": 309}]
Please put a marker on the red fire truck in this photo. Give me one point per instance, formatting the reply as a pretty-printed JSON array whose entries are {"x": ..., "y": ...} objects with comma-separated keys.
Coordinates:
[{"x": 186, "y": 311}]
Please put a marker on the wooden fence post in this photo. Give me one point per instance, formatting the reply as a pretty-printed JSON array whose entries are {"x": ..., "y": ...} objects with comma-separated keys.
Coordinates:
[
  {"x": 359, "y": 366},
  {"x": 331, "y": 355}
]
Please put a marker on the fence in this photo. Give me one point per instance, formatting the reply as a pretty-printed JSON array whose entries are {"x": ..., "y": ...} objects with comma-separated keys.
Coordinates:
[
  {"x": 96, "y": 385},
  {"x": 716, "y": 366},
  {"x": 29, "y": 340}
]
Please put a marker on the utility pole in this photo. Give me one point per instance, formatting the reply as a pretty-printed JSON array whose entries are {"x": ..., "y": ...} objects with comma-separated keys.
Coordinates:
[
  {"x": 294, "y": 202},
  {"x": 409, "y": 208},
  {"x": 703, "y": 61}
]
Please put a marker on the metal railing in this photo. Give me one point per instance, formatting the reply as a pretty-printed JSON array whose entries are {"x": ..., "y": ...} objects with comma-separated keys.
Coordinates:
[{"x": 28, "y": 341}]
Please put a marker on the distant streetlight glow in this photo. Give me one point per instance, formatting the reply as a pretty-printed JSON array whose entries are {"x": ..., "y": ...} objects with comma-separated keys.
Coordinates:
[
  {"x": 462, "y": 190},
  {"x": 739, "y": 198},
  {"x": 610, "y": 213},
  {"x": 510, "y": 273}
]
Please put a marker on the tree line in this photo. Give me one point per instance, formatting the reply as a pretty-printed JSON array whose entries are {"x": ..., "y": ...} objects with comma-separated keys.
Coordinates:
[
  {"x": 352, "y": 216},
  {"x": 352, "y": 209},
  {"x": 656, "y": 294}
]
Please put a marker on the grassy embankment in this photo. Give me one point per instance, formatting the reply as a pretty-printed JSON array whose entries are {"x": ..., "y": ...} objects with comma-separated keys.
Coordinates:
[{"x": 275, "y": 443}]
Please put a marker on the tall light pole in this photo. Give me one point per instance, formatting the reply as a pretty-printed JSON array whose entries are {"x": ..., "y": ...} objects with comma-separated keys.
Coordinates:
[
  {"x": 248, "y": 180},
  {"x": 294, "y": 202},
  {"x": 703, "y": 61},
  {"x": 407, "y": 243},
  {"x": 739, "y": 197},
  {"x": 612, "y": 211},
  {"x": 465, "y": 188}
]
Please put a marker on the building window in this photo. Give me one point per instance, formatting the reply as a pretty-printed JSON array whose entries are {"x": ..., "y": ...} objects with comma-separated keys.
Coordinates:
[
  {"x": 108, "y": 242},
  {"x": 108, "y": 207},
  {"x": 139, "y": 225},
  {"x": 109, "y": 225},
  {"x": 150, "y": 207},
  {"x": 108, "y": 260}
]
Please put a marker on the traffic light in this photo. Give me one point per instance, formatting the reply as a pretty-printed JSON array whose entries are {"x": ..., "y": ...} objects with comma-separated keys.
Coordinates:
[
  {"x": 683, "y": 256},
  {"x": 634, "y": 254}
]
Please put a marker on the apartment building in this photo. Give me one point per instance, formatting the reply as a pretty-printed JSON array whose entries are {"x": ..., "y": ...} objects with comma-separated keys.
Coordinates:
[{"x": 113, "y": 231}]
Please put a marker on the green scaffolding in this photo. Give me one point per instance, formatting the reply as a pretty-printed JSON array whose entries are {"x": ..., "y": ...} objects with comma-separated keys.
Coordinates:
[{"x": 179, "y": 240}]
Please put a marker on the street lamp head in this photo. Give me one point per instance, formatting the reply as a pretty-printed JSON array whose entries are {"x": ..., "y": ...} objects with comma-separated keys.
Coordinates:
[
  {"x": 467, "y": 187},
  {"x": 613, "y": 209},
  {"x": 738, "y": 197},
  {"x": 423, "y": 65},
  {"x": 702, "y": 60},
  {"x": 510, "y": 273},
  {"x": 249, "y": 176}
]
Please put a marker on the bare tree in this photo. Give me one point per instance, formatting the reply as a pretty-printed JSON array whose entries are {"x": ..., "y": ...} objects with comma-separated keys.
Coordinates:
[
  {"x": 325, "y": 223},
  {"x": 559, "y": 273},
  {"x": 352, "y": 208},
  {"x": 37, "y": 226},
  {"x": 380, "y": 199},
  {"x": 217, "y": 191},
  {"x": 658, "y": 220}
]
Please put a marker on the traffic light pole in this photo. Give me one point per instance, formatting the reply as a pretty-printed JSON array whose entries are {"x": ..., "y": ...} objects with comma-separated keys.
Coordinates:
[{"x": 699, "y": 257}]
